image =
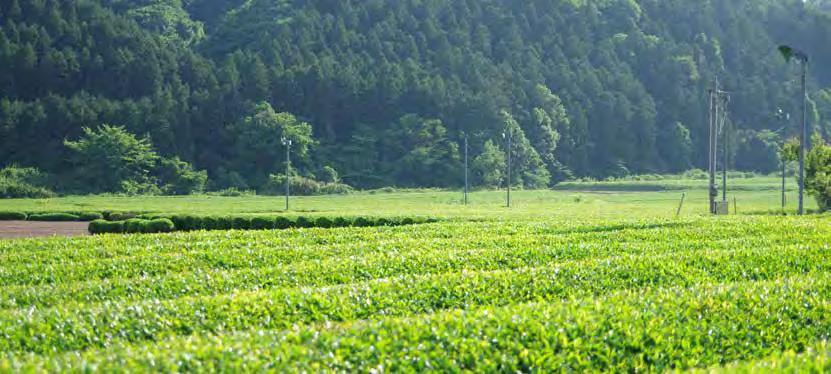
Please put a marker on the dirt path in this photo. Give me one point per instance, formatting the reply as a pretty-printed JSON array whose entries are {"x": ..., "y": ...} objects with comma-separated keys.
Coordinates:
[{"x": 30, "y": 229}]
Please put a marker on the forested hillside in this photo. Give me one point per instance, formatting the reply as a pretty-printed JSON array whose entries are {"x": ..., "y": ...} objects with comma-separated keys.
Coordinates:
[{"x": 384, "y": 91}]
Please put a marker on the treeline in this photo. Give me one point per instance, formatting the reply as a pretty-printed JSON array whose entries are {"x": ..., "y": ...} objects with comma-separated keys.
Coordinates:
[{"x": 384, "y": 92}]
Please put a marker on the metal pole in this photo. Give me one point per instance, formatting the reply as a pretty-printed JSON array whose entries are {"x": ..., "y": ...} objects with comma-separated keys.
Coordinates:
[
  {"x": 466, "y": 171},
  {"x": 288, "y": 171},
  {"x": 803, "y": 137},
  {"x": 711, "y": 154},
  {"x": 510, "y": 139},
  {"x": 724, "y": 160}
]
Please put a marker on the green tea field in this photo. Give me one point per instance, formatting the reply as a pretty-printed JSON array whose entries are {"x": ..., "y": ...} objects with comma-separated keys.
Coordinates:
[{"x": 569, "y": 280}]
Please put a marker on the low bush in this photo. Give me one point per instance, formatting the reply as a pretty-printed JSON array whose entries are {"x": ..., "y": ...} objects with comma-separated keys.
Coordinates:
[
  {"x": 303, "y": 222},
  {"x": 119, "y": 216},
  {"x": 282, "y": 223},
  {"x": 54, "y": 217},
  {"x": 90, "y": 216},
  {"x": 158, "y": 225},
  {"x": 262, "y": 223},
  {"x": 13, "y": 216},
  {"x": 101, "y": 226},
  {"x": 154, "y": 223},
  {"x": 242, "y": 223},
  {"x": 132, "y": 226},
  {"x": 324, "y": 222},
  {"x": 342, "y": 222}
]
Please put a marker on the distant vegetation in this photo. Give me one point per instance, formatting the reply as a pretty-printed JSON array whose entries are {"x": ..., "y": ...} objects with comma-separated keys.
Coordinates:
[{"x": 383, "y": 92}]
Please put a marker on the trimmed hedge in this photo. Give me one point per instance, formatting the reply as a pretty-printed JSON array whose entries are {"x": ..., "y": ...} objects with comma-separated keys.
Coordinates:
[
  {"x": 132, "y": 226},
  {"x": 54, "y": 217},
  {"x": 101, "y": 226},
  {"x": 13, "y": 216},
  {"x": 90, "y": 216},
  {"x": 182, "y": 222}
]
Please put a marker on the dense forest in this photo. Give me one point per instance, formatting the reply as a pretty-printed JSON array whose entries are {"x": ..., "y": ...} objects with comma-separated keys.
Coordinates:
[{"x": 384, "y": 92}]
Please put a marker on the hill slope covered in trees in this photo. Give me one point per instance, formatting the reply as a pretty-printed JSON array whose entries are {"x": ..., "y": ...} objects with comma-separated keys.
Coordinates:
[{"x": 389, "y": 88}]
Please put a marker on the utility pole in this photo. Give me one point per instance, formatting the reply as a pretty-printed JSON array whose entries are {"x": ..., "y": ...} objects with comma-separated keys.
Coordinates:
[
  {"x": 712, "y": 154},
  {"x": 466, "y": 170},
  {"x": 287, "y": 143},
  {"x": 724, "y": 153},
  {"x": 718, "y": 120},
  {"x": 509, "y": 137},
  {"x": 803, "y": 143},
  {"x": 790, "y": 53}
]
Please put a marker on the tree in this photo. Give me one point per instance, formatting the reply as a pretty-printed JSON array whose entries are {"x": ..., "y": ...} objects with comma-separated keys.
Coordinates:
[
  {"x": 528, "y": 169},
  {"x": 259, "y": 149},
  {"x": 489, "y": 166},
  {"x": 818, "y": 172},
  {"x": 110, "y": 159},
  {"x": 178, "y": 177},
  {"x": 420, "y": 154}
]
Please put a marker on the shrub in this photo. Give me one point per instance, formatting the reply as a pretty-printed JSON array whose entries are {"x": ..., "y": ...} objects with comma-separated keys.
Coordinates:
[
  {"x": 282, "y": 223},
  {"x": 179, "y": 177},
  {"x": 818, "y": 173},
  {"x": 302, "y": 186},
  {"x": 90, "y": 216},
  {"x": 210, "y": 223},
  {"x": 362, "y": 222},
  {"x": 242, "y": 223},
  {"x": 54, "y": 217},
  {"x": 304, "y": 222},
  {"x": 134, "y": 225},
  {"x": 336, "y": 189},
  {"x": 119, "y": 216},
  {"x": 17, "y": 182},
  {"x": 407, "y": 221},
  {"x": 101, "y": 226},
  {"x": 324, "y": 222},
  {"x": 12, "y": 216},
  {"x": 224, "y": 223},
  {"x": 158, "y": 225},
  {"x": 262, "y": 223},
  {"x": 342, "y": 222}
]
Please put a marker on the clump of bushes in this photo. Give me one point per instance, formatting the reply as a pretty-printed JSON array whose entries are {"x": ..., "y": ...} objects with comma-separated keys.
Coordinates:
[
  {"x": 302, "y": 186},
  {"x": 54, "y": 217},
  {"x": 17, "y": 182},
  {"x": 13, "y": 216},
  {"x": 183, "y": 222},
  {"x": 132, "y": 226}
]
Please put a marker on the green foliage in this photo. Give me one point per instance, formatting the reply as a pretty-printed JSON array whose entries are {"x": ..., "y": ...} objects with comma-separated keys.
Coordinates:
[
  {"x": 490, "y": 166},
  {"x": 13, "y": 216},
  {"x": 110, "y": 159},
  {"x": 106, "y": 227},
  {"x": 685, "y": 294},
  {"x": 90, "y": 216},
  {"x": 302, "y": 186},
  {"x": 17, "y": 182},
  {"x": 132, "y": 226},
  {"x": 259, "y": 145},
  {"x": 54, "y": 217},
  {"x": 598, "y": 88},
  {"x": 818, "y": 172},
  {"x": 179, "y": 178}
]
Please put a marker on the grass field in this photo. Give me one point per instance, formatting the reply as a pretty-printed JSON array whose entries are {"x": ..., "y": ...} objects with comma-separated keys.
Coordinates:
[
  {"x": 571, "y": 279},
  {"x": 580, "y": 200}
]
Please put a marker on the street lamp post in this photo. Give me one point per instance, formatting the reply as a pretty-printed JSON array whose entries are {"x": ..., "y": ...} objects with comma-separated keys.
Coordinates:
[
  {"x": 287, "y": 143},
  {"x": 509, "y": 137},
  {"x": 790, "y": 53},
  {"x": 466, "y": 170}
]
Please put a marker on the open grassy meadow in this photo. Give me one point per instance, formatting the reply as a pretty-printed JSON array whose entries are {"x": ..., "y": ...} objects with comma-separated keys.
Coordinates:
[{"x": 590, "y": 277}]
